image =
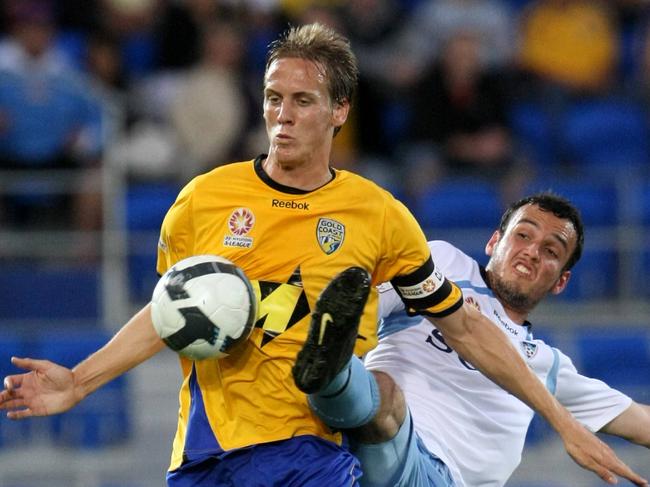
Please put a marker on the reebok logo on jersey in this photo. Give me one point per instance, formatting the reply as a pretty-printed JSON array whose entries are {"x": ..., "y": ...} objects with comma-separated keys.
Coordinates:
[
  {"x": 290, "y": 205},
  {"x": 330, "y": 235}
]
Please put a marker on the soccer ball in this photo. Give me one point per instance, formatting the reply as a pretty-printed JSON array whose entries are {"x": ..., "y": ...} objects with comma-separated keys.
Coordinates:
[{"x": 203, "y": 306}]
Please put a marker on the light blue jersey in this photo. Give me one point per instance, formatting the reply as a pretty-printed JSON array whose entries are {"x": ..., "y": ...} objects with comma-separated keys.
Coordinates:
[{"x": 476, "y": 428}]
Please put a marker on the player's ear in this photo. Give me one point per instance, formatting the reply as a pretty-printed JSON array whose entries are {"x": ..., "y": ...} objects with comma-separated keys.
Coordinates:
[
  {"x": 340, "y": 112},
  {"x": 561, "y": 283},
  {"x": 494, "y": 240}
]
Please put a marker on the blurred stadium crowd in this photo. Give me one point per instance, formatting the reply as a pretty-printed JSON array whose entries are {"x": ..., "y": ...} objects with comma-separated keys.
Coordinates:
[
  {"x": 502, "y": 91},
  {"x": 463, "y": 105}
]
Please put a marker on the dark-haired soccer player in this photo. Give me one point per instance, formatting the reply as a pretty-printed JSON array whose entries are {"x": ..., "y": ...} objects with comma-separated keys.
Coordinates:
[{"x": 469, "y": 429}]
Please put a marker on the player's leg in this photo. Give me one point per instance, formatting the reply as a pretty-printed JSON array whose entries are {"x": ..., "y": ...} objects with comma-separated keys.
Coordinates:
[
  {"x": 347, "y": 396},
  {"x": 386, "y": 444},
  {"x": 325, "y": 368},
  {"x": 402, "y": 461}
]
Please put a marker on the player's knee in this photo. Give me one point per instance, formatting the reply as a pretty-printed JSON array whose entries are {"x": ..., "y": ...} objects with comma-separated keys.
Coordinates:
[{"x": 390, "y": 416}]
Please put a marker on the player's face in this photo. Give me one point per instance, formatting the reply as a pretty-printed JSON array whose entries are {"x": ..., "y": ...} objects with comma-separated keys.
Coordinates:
[
  {"x": 527, "y": 261},
  {"x": 300, "y": 117}
]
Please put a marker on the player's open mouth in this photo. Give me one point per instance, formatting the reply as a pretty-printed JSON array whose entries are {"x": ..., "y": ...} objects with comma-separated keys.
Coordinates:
[{"x": 522, "y": 269}]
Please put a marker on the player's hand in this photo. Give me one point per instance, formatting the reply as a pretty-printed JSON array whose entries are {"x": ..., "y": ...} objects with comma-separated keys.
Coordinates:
[
  {"x": 591, "y": 453},
  {"x": 46, "y": 389}
]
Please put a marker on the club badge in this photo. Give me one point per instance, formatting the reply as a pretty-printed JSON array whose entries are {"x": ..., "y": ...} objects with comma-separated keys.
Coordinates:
[{"x": 330, "y": 235}]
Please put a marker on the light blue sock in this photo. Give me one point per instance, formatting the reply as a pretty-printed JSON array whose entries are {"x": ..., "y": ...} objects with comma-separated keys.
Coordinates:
[{"x": 350, "y": 400}]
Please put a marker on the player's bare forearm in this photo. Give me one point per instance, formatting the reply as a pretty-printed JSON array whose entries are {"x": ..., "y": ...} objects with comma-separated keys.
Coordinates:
[
  {"x": 480, "y": 342},
  {"x": 633, "y": 424},
  {"x": 48, "y": 388},
  {"x": 136, "y": 342}
]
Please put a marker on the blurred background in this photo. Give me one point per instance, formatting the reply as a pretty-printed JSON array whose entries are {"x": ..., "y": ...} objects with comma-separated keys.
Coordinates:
[{"x": 108, "y": 107}]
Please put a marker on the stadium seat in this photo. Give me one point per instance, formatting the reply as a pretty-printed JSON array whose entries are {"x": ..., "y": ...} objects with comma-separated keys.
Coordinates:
[
  {"x": 607, "y": 136},
  {"x": 597, "y": 199},
  {"x": 49, "y": 292},
  {"x": 594, "y": 277},
  {"x": 617, "y": 355},
  {"x": 459, "y": 203},
  {"x": 146, "y": 205},
  {"x": 642, "y": 283},
  {"x": 101, "y": 419},
  {"x": 532, "y": 129},
  {"x": 538, "y": 431}
]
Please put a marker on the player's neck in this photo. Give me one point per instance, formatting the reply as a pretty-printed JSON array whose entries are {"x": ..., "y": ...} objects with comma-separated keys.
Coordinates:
[
  {"x": 306, "y": 176},
  {"x": 517, "y": 316}
]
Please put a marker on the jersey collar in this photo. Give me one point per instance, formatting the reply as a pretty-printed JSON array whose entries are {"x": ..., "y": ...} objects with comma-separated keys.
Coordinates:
[{"x": 261, "y": 173}]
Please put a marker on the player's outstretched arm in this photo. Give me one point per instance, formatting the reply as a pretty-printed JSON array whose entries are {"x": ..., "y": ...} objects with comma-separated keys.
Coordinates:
[
  {"x": 48, "y": 388},
  {"x": 484, "y": 345},
  {"x": 633, "y": 424}
]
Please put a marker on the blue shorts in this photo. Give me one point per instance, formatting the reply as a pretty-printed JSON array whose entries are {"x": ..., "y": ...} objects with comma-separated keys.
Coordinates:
[
  {"x": 403, "y": 461},
  {"x": 303, "y": 461}
]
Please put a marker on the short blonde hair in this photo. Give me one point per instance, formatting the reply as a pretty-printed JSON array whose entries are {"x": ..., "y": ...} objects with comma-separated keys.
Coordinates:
[{"x": 328, "y": 49}]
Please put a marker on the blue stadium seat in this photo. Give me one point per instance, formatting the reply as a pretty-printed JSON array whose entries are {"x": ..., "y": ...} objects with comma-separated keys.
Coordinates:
[
  {"x": 142, "y": 275},
  {"x": 617, "y": 355},
  {"x": 642, "y": 283},
  {"x": 459, "y": 203},
  {"x": 538, "y": 431},
  {"x": 594, "y": 277},
  {"x": 607, "y": 135},
  {"x": 101, "y": 419},
  {"x": 146, "y": 206},
  {"x": 533, "y": 130},
  {"x": 644, "y": 204},
  {"x": 597, "y": 199},
  {"x": 49, "y": 292}
]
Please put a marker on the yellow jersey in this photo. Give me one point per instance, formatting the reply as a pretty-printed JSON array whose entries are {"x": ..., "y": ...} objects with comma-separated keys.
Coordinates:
[{"x": 290, "y": 243}]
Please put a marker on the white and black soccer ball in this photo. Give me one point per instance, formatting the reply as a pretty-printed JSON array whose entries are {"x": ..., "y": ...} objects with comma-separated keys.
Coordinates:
[{"x": 203, "y": 306}]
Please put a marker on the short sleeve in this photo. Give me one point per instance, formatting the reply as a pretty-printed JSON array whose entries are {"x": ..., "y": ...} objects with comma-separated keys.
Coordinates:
[{"x": 591, "y": 401}]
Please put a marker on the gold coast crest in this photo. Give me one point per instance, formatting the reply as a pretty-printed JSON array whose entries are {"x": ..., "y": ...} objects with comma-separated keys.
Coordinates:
[{"x": 330, "y": 235}]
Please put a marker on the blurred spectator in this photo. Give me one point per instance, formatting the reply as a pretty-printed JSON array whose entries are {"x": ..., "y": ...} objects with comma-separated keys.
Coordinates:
[
  {"x": 632, "y": 18},
  {"x": 213, "y": 112},
  {"x": 178, "y": 31},
  {"x": 570, "y": 44},
  {"x": 379, "y": 112},
  {"x": 133, "y": 23},
  {"x": 104, "y": 66},
  {"x": 49, "y": 119},
  {"x": 434, "y": 22},
  {"x": 460, "y": 124}
]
